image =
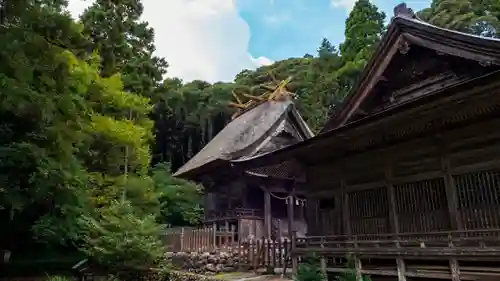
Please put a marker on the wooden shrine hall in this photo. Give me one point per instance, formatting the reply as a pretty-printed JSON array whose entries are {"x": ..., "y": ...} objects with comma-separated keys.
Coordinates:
[
  {"x": 253, "y": 202},
  {"x": 408, "y": 181}
]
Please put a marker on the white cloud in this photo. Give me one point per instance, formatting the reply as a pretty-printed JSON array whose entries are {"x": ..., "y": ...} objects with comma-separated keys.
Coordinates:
[
  {"x": 260, "y": 61},
  {"x": 275, "y": 19},
  {"x": 347, "y": 4},
  {"x": 200, "y": 39}
]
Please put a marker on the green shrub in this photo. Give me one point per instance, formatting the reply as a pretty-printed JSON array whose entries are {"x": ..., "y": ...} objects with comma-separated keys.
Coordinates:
[
  {"x": 310, "y": 270},
  {"x": 350, "y": 273},
  {"x": 121, "y": 239}
]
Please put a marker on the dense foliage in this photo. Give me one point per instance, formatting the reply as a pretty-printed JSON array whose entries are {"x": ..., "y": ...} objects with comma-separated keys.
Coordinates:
[
  {"x": 86, "y": 113},
  {"x": 310, "y": 270}
]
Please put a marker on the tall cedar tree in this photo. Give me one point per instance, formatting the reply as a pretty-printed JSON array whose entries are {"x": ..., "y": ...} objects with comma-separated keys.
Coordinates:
[
  {"x": 126, "y": 44},
  {"x": 363, "y": 30}
]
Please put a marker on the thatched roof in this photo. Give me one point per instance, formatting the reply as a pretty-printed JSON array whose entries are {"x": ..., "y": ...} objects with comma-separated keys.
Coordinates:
[{"x": 253, "y": 132}]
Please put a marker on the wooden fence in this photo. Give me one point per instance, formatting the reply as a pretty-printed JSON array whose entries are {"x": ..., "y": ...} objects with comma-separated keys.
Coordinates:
[
  {"x": 265, "y": 253},
  {"x": 252, "y": 254},
  {"x": 198, "y": 239}
]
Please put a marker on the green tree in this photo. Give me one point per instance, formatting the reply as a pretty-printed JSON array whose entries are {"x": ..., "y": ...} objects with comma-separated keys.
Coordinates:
[
  {"x": 476, "y": 17},
  {"x": 126, "y": 44},
  {"x": 43, "y": 113},
  {"x": 326, "y": 48},
  {"x": 363, "y": 30},
  {"x": 181, "y": 200},
  {"x": 118, "y": 239},
  {"x": 72, "y": 144}
]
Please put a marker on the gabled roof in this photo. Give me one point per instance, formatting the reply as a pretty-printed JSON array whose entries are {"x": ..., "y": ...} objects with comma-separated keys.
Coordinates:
[
  {"x": 248, "y": 135},
  {"x": 405, "y": 28}
]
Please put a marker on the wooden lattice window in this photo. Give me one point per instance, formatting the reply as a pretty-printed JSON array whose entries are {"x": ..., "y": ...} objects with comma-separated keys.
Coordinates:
[
  {"x": 368, "y": 211},
  {"x": 422, "y": 206},
  {"x": 479, "y": 199}
]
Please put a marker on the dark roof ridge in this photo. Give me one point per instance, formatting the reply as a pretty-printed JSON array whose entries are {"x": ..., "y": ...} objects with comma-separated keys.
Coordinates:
[{"x": 402, "y": 10}]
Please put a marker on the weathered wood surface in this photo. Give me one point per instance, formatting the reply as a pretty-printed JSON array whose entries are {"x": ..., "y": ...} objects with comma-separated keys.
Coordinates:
[{"x": 464, "y": 244}]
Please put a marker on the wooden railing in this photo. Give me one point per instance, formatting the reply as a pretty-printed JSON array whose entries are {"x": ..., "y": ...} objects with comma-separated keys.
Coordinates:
[
  {"x": 235, "y": 213},
  {"x": 477, "y": 243}
]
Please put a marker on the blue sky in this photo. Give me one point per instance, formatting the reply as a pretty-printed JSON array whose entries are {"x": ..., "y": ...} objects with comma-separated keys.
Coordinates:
[
  {"x": 213, "y": 40},
  {"x": 291, "y": 28}
]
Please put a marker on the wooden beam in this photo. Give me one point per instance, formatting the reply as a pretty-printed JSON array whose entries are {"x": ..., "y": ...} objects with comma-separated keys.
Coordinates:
[
  {"x": 377, "y": 72},
  {"x": 267, "y": 213},
  {"x": 236, "y": 105},
  {"x": 237, "y": 98},
  {"x": 450, "y": 50},
  {"x": 255, "y": 98}
]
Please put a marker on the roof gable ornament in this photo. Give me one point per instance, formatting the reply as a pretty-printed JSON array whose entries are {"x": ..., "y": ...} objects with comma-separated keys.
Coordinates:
[
  {"x": 403, "y": 47},
  {"x": 402, "y": 10},
  {"x": 273, "y": 91}
]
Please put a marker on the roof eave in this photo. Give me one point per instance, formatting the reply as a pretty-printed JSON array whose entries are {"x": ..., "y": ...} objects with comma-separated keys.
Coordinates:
[
  {"x": 195, "y": 173},
  {"x": 389, "y": 38}
]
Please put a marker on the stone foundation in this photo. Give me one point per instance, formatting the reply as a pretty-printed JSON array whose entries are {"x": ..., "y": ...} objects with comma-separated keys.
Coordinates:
[{"x": 205, "y": 262}]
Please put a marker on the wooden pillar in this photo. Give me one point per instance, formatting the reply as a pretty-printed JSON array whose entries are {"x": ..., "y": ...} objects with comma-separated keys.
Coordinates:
[
  {"x": 345, "y": 209},
  {"x": 323, "y": 261},
  {"x": 267, "y": 212},
  {"x": 357, "y": 266},
  {"x": 239, "y": 230},
  {"x": 454, "y": 266},
  {"x": 182, "y": 239},
  {"x": 393, "y": 215},
  {"x": 214, "y": 238},
  {"x": 455, "y": 270},
  {"x": 279, "y": 229},
  {"x": 452, "y": 200},
  {"x": 267, "y": 226},
  {"x": 291, "y": 232},
  {"x": 393, "y": 218},
  {"x": 254, "y": 229},
  {"x": 295, "y": 261},
  {"x": 401, "y": 267},
  {"x": 244, "y": 194},
  {"x": 207, "y": 205},
  {"x": 450, "y": 187},
  {"x": 290, "y": 209}
]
